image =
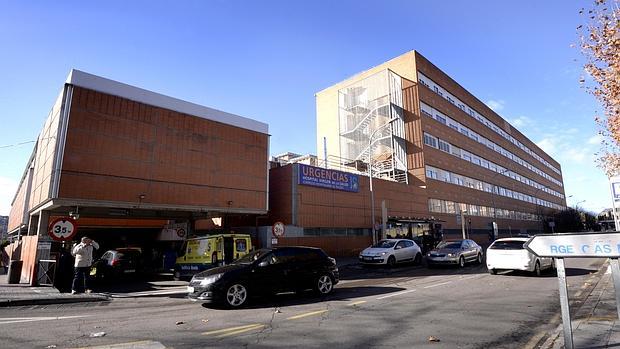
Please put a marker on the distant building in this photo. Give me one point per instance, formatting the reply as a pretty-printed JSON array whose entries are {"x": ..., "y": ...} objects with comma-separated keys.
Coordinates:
[
  {"x": 4, "y": 224},
  {"x": 606, "y": 219}
]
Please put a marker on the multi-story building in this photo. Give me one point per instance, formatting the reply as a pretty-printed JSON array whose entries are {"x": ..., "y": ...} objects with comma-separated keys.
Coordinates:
[{"x": 409, "y": 123}]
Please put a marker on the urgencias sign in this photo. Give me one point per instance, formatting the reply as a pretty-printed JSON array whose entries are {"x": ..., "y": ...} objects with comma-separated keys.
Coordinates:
[{"x": 326, "y": 178}]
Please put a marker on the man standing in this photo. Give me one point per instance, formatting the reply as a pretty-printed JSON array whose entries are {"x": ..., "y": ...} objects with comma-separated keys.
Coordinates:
[{"x": 83, "y": 253}]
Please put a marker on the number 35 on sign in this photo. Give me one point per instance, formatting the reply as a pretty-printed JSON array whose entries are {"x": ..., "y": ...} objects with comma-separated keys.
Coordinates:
[{"x": 62, "y": 229}]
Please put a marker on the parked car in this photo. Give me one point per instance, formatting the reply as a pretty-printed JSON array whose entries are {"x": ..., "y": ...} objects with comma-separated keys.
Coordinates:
[
  {"x": 509, "y": 254},
  {"x": 263, "y": 272},
  {"x": 117, "y": 262},
  {"x": 391, "y": 251},
  {"x": 457, "y": 252}
]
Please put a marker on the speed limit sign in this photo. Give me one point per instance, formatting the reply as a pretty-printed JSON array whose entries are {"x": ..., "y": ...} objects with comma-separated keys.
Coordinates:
[
  {"x": 278, "y": 229},
  {"x": 62, "y": 229}
]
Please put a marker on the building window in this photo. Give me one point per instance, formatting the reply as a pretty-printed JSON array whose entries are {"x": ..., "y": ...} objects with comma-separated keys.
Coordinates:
[
  {"x": 445, "y": 146},
  {"x": 430, "y": 140}
]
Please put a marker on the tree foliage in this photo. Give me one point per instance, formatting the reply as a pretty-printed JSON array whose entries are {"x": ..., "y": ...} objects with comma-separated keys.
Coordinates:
[
  {"x": 572, "y": 220},
  {"x": 600, "y": 44}
]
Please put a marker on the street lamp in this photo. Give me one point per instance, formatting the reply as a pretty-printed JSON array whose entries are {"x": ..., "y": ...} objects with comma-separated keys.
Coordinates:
[{"x": 372, "y": 195}]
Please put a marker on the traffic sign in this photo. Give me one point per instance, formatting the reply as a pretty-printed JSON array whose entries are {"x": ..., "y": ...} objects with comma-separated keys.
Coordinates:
[
  {"x": 62, "y": 229},
  {"x": 278, "y": 229},
  {"x": 575, "y": 245}
]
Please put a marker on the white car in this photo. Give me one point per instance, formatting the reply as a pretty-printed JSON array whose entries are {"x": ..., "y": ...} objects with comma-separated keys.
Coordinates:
[
  {"x": 509, "y": 254},
  {"x": 392, "y": 251}
]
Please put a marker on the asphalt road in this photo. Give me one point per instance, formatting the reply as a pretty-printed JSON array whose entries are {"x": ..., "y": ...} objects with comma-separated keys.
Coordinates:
[{"x": 370, "y": 308}]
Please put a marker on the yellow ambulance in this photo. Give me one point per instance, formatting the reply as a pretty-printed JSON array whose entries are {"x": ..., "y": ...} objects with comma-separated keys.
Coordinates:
[{"x": 201, "y": 253}]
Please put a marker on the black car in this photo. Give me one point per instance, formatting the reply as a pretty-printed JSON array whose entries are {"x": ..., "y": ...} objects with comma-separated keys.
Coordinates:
[
  {"x": 117, "y": 263},
  {"x": 263, "y": 272}
]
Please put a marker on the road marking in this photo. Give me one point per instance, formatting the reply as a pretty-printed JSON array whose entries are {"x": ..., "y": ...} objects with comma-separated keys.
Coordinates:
[
  {"x": 356, "y": 303},
  {"x": 318, "y": 312},
  {"x": 396, "y": 294},
  {"x": 469, "y": 277},
  {"x": 435, "y": 285},
  {"x": 130, "y": 345},
  {"x": 13, "y": 320},
  {"x": 242, "y": 331},
  {"x": 229, "y": 329},
  {"x": 175, "y": 290}
]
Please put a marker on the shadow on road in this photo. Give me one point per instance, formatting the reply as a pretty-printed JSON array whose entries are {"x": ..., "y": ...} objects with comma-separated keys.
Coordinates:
[
  {"x": 291, "y": 299},
  {"x": 358, "y": 271}
]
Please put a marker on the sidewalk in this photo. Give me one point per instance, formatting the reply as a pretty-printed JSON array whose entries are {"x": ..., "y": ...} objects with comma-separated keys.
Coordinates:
[
  {"x": 23, "y": 294},
  {"x": 595, "y": 323}
]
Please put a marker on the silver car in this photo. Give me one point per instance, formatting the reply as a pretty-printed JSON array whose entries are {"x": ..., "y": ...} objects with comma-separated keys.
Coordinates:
[{"x": 457, "y": 252}]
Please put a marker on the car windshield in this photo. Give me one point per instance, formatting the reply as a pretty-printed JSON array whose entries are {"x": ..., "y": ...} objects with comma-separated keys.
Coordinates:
[
  {"x": 385, "y": 244},
  {"x": 507, "y": 245},
  {"x": 251, "y": 257},
  {"x": 449, "y": 244},
  {"x": 127, "y": 254}
]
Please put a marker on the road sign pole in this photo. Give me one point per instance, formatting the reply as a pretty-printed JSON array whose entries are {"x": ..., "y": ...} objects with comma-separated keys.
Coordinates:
[
  {"x": 568, "y": 330},
  {"x": 615, "y": 273}
]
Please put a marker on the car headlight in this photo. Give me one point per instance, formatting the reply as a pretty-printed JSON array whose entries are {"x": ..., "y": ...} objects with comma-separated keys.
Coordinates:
[
  {"x": 381, "y": 253},
  {"x": 450, "y": 254},
  {"x": 210, "y": 279},
  {"x": 428, "y": 254}
]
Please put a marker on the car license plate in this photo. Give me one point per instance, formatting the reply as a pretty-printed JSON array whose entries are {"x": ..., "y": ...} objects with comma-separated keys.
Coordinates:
[
  {"x": 190, "y": 289},
  {"x": 130, "y": 270},
  {"x": 367, "y": 258}
]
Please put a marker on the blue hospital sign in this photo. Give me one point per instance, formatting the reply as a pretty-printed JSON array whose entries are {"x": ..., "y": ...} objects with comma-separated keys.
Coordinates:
[{"x": 325, "y": 178}]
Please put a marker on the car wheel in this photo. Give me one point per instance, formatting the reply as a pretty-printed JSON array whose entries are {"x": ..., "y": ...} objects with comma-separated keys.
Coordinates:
[
  {"x": 418, "y": 259},
  {"x": 391, "y": 262},
  {"x": 479, "y": 259},
  {"x": 177, "y": 276},
  {"x": 236, "y": 295},
  {"x": 492, "y": 271},
  {"x": 324, "y": 285},
  {"x": 537, "y": 270},
  {"x": 461, "y": 262}
]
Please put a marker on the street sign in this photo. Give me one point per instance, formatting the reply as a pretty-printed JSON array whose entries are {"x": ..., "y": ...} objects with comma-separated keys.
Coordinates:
[
  {"x": 575, "y": 245},
  {"x": 560, "y": 246},
  {"x": 62, "y": 229},
  {"x": 278, "y": 229}
]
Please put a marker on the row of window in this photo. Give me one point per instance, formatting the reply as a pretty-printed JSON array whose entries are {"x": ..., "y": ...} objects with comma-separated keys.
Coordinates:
[
  {"x": 451, "y": 207},
  {"x": 442, "y": 145},
  {"x": 424, "y": 80},
  {"x": 446, "y": 120},
  {"x": 450, "y": 177}
]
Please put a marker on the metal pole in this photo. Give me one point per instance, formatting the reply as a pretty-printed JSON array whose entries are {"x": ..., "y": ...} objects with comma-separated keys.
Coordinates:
[
  {"x": 613, "y": 205},
  {"x": 615, "y": 273},
  {"x": 568, "y": 330},
  {"x": 463, "y": 224},
  {"x": 372, "y": 206}
]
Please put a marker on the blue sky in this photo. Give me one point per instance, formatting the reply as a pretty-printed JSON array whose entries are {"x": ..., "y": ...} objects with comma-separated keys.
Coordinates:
[{"x": 266, "y": 59}]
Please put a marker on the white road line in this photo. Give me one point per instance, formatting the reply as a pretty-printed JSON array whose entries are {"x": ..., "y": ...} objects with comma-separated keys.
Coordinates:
[
  {"x": 130, "y": 345},
  {"x": 469, "y": 277},
  {"x": 176, "y": 290},
  {"x": 435, "y": 285},
  {"x": 12, "y": 320},
  {"x": 396, "y": 294}
]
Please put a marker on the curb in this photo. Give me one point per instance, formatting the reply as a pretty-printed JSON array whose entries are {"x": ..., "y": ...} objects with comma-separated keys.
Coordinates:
[
  {"x": 48, "y": 301},
  {"x": 553, "y": 336}
]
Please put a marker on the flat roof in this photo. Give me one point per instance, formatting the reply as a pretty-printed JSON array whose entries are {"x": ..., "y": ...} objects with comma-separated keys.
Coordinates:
[{"x": 119, "y": 89}]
